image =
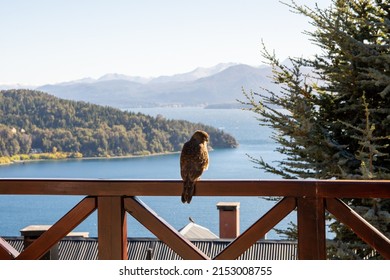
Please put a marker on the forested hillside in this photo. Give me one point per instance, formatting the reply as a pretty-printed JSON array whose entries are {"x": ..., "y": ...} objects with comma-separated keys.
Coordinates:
[{"x": 32, "y": 121}]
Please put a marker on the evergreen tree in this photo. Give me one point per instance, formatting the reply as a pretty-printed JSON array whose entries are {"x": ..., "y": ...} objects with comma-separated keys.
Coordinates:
[{"x": 332, "y": 115}]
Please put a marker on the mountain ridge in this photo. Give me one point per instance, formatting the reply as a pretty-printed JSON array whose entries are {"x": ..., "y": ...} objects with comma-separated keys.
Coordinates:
[
  {"x": 212, "y": 86},
  {"x": 221, "y": 84}
]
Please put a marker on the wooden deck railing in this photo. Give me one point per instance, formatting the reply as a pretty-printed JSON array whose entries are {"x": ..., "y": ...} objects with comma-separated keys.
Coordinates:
[{"x": 113, "y": 198}]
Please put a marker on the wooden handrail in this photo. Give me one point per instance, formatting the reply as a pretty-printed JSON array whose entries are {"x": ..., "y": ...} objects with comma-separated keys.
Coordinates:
[
  {"x": 112, "y": 198},
  {"x": 294, "y": 188}
]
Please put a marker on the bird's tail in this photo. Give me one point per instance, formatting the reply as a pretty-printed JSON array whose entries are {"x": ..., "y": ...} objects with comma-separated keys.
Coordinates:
[{"x": 188, "y": 191}]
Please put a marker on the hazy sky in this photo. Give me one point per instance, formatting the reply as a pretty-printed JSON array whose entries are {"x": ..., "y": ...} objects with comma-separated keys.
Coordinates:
[{"x": 49, "y": 41}]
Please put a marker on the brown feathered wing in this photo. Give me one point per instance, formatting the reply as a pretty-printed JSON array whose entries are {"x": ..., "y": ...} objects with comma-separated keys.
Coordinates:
[{"x": 193, "y": 161}]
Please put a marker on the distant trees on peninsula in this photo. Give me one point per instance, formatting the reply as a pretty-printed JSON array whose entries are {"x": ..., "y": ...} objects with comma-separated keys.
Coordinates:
[{"x": 33, "y": 121}]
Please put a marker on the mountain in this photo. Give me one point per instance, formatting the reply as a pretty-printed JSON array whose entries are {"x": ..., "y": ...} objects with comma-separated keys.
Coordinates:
[
  {"x": 224, "y": 87},
  {"x": 198, "y": 73},
  {"x": 116, "y": 76},
  {"x": 221, "y": 84}
]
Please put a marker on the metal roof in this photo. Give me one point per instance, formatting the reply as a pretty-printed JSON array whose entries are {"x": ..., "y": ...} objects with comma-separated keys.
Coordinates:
[
  {"x": 152, "y": 248},
  {"x": 195, "y": 231}
]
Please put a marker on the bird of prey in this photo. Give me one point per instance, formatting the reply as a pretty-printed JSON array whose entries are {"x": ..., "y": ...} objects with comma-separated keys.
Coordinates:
[{"x": 194, "y": 159}]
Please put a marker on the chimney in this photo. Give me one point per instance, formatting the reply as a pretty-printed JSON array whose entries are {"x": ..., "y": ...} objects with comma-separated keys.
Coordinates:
[
  {"x": 31, "y": 233},
  {"x": 229, "y": 219}
]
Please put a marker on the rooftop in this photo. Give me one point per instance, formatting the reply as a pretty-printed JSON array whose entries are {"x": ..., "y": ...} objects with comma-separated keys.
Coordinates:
[
  {"x": 195, "y": 231},
  {"x": 81, "y": 248}
]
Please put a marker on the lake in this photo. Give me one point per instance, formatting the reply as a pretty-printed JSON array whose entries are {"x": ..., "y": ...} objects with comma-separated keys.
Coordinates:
[{"x": 17, "y": 212}]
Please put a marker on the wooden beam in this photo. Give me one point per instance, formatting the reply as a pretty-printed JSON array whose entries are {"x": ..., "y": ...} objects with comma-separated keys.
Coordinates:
[
  {"x": 112, "y": 228},
  {"x": 163, "y": 230},
  {"x": 283, "y": 188},
  {"x": 360, "y": 226},
  {"x": 59, "y": 230},
  {"x": 353, "y": 188},
  {"x": 7, "y": 252},
  {"x": 311, "y": 229},
  {"x": 258, "y": 229}
]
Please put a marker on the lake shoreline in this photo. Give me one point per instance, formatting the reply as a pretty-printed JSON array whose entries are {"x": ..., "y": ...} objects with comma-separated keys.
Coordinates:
[{"x": 87, "y": 158}]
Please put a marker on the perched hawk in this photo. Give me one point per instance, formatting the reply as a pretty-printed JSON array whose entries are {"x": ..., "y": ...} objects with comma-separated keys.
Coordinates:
[{"x": 194, "y": 160}]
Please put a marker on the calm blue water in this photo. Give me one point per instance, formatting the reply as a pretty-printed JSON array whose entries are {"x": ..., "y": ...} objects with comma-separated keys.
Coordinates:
[{"x": 17, "y": 212}]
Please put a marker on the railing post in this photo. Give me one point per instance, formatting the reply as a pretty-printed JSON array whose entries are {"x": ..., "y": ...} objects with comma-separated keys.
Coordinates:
[
  {"x": 112, "y": 228},
  {"x": 311, "y": 229}
]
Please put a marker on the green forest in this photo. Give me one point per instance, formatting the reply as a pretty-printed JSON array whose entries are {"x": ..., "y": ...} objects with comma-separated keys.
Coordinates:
[{"x": 34, "y": 124}]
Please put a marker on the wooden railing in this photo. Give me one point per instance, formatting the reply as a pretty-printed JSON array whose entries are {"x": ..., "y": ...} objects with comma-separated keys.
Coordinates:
[{"x": 113, "y": 198}]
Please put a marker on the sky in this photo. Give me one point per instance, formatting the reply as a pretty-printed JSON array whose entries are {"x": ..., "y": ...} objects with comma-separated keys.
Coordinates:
[{"x": 51, "y": 41}]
